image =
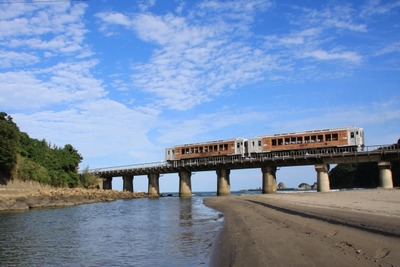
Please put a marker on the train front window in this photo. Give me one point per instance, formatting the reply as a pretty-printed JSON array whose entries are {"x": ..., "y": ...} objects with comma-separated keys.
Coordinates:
[
  {"x": 352, "y": 135},
  {"x": 259, "y": 143}
]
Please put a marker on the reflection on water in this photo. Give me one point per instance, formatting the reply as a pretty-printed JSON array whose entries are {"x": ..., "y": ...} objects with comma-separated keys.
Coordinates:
[{"x": 142, "y": 232}]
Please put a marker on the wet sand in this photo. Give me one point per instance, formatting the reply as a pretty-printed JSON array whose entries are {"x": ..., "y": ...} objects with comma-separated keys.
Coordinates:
[{"x": 344, "y": 228}]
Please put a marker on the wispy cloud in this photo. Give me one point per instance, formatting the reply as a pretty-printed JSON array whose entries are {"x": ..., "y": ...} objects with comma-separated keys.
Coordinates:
[
  {"x": 196, "y": 59},
  {"x": 334, "y": 55}
]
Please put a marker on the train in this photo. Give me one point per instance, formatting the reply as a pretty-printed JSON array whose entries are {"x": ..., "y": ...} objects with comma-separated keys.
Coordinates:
[{"x": 344, "y": 137}]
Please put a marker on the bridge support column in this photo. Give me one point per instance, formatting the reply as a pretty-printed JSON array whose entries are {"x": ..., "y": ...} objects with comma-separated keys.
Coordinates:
[
  {"x": 385, "y": 174},
  {"x": 127, "y": 183},
  {"x": 154, "y": 184},
  {"x": 107, "y": 183},
  {"x": 223, "y": 182},
  {"x": 185, "y": 184},
  {"x": 269, "y": 180},
  {"x": 322, "y": 177}
]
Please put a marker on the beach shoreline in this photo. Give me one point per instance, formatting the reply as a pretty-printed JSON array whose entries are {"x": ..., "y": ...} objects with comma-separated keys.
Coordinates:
[{"x": 341, "y": 228}]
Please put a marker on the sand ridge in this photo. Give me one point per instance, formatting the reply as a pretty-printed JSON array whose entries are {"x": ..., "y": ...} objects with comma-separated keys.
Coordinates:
[{"x": 345, "y": 228}]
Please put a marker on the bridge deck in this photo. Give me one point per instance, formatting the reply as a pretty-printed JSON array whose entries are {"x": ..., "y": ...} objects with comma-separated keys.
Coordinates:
[{"x": 278, "y": 159}]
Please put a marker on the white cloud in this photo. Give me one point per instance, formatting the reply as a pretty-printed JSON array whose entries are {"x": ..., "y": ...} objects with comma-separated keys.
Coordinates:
[
  {"x": 97, "y": 129},
  {"x": 376, "y": 7},
  {"x": 388, "y": 49},
  {"x": 195, "y": 61},
  {"x": 332, "y": 55},
  {"x": 10, "y": 59},
  {"x": 55, "y": 27},
  {"x": 61, "y": 84},
  {"x": 340, "y": 17}
]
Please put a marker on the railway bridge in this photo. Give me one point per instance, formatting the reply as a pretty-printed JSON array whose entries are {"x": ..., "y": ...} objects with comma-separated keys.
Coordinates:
[{"x": 321, "y": 158}]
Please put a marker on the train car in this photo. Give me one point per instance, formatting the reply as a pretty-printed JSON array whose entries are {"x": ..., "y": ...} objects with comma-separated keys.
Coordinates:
[
  {"x": 208, "y": 149},
  {"x": 338, "y": 137}
]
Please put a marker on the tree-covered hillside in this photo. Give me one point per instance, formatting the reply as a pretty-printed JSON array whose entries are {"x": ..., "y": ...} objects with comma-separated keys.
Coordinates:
[{"x": 25, "y": 158}]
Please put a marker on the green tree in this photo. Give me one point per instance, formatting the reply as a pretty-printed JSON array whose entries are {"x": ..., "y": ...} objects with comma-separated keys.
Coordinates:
[
  {"x": 9, "y": 144},
  {"x": 89, "y": 180}
]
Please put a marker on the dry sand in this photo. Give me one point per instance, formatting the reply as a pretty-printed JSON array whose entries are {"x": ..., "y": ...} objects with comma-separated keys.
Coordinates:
[{"x": 343, "y": 228}]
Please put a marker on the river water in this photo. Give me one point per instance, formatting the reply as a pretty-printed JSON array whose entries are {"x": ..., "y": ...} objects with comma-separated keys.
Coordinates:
[{"x": 168, "y": 231}]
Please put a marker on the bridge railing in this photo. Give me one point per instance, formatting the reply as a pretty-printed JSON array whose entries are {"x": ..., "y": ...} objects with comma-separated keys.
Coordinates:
[{"x": 130, "y": 167}]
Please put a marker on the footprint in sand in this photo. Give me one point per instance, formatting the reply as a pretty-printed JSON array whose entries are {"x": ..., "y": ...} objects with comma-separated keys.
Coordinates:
[{"x": 381, "y": 253}]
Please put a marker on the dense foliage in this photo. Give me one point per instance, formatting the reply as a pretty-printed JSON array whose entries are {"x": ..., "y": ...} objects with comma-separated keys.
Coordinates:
[
  {"x": 32, "y": 159},
  {"x": 9, "y": 144}
]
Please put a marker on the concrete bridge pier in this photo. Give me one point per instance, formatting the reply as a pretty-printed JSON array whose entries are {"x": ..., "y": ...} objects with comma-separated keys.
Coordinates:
[
  {"x": 107, "y": 183},
  {"x": 385, "y": 174},
  {"x": 154, "y": 184},
  {"x": 127, "y": 183},
  {"x": 185, "y": 184},
  {"x": 269, "y": 180},
  {"x": 322, "y": 177},
  {"x": 223, "y": 182}
]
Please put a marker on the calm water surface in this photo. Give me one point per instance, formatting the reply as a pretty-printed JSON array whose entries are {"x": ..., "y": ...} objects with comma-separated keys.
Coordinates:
[{"x": 141, "y": 232}]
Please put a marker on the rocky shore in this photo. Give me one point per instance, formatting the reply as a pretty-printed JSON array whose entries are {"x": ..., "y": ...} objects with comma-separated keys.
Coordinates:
[
  {"x": 342, "y": 228},
  {"x": 28, "y": 197}
]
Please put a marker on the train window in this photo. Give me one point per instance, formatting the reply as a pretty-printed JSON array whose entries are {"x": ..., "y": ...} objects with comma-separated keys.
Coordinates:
[
  {"x": 210, "y": 148},
  {"x": 225, "y": 146},
  {"x": 216, "y": 148},
  {"x": 259, "y": 143},
  {"x": 287, "y": 141},
  {"x": 253, "y": 144},
  {"x": 306, "y": 139},
  {"x": 320, "y": 138},
  {"x": 313, "y": 138},
  {"x": 293, "y": 140},
  {"x": 357, "y": 133},
  {"x": 328, "y": 137},
  {"x": 299, "y": 139},
  {"x": 280, "y": 141},
  {"x": 221, "y": 147},
  {"x": 335, "y": 137},
  {"x": 238, "y": 145},
  {"x": 352, "y": 134},
  {"x": 273, "y": 142}
]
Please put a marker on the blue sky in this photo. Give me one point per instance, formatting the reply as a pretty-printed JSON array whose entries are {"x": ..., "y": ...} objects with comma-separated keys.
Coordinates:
[{"x": 122, "y": 80}]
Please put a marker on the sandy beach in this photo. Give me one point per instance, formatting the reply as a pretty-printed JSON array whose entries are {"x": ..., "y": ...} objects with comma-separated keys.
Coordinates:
[{"x": 342, "y": 228}]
